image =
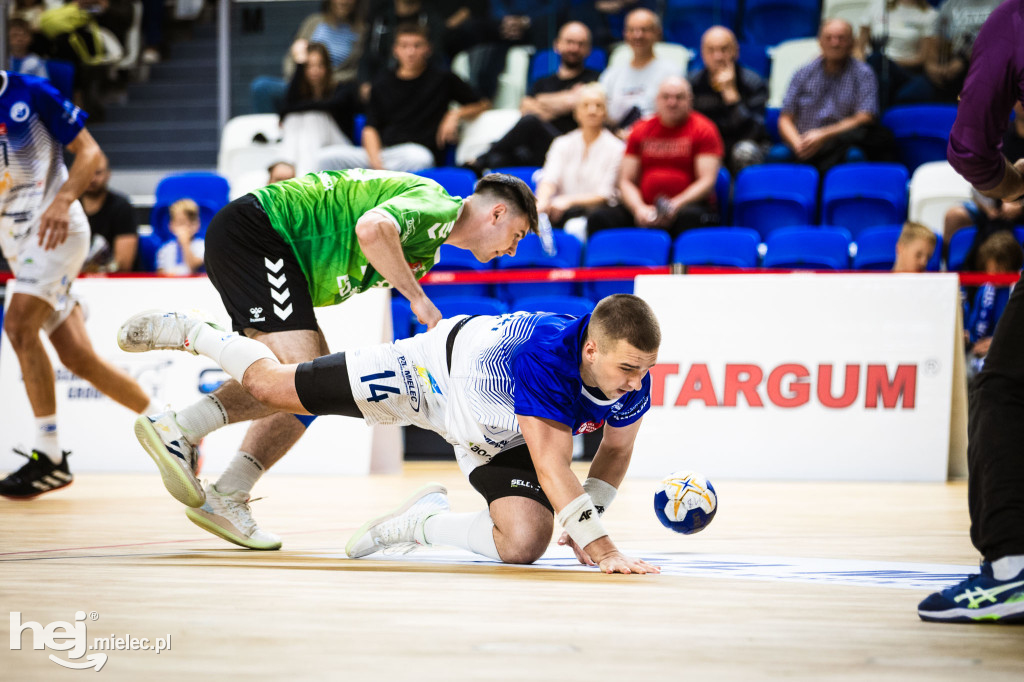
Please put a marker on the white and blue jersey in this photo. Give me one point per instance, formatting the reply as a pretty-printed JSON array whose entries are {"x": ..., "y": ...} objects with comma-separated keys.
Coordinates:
[
  {"x": 501, "y": 366},
  {"x": 36, "y": 122}
]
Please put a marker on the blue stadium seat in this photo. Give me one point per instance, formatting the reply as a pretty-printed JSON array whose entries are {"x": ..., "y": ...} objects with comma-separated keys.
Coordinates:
[
  {"x": 686, "y": 20},
  {"x": 859, "y": 195},
  {"x": 808, "y": 247},
  {"x": 454, "y": 259},
  {"x": 723, "y": 188},
  {"x": 724, "y": 246},
  {"x": 775, "y": 195},
  {"x": 524, "y": 173},
  {"x": 401, "y": 317},
  {"x": 208, "y": 190},
  {"x": 771, "y": 123},
  {"x": 530, "y": 254},
  {"x": 921, "y": 131},
  {"x": 770, "y": 22},
  {"x": 545, "y": 63},
  {"x": 754, "y": 56},
  {"x": 624, "y": 246},
  {"x": 458, "y": 182},
  {"x": 959, "y": 245},
  {"x": 562, "y": 305},
  {"x": 876, "y": 249},
  {"x": 465, "y": 305}
]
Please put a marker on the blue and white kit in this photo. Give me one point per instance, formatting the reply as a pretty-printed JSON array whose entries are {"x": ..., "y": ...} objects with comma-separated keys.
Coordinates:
[
  {"x": 36, "y": 122},
  {"x": 501, "y": 366}
]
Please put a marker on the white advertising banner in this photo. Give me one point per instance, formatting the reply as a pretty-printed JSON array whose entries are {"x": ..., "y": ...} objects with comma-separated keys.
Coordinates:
[
  {"x": 801, "y": 376},
  {"x": 98, "y": 430}
]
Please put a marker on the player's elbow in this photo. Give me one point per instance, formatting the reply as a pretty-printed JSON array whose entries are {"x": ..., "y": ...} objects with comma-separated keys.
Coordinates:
[{"x": 369, "y": 233}]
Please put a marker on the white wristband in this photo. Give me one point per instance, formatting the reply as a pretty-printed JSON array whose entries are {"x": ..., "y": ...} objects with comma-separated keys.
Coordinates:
[
  {"x": 601, "y": 492},
  {"x": 580, "y": 519}
]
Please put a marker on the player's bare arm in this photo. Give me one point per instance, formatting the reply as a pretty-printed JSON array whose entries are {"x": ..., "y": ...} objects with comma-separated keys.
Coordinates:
[
  {"x": 606, "y": 474},
  {"x": 550, "y": 445},
  {"x": 378, "y": 238},
  {"x": 53, "y": 225}
]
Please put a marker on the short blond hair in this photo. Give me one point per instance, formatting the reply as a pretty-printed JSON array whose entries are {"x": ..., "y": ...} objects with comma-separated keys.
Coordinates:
[
  {"x": 916, "y": 231},
  {"x": 185, "y": 208}
]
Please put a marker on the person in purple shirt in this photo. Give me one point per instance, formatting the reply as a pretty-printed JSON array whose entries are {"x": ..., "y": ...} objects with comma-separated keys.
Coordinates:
[{"x": 995, "y": 429}]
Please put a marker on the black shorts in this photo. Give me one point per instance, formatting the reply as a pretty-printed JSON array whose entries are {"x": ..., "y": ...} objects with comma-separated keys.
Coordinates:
[
  {"x": 510, "y": 474},
  {"x": 256, "y": 272}
]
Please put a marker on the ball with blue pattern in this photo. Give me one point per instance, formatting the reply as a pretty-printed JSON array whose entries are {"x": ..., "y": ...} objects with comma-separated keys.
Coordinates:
[{"x": 685, "y": 502}]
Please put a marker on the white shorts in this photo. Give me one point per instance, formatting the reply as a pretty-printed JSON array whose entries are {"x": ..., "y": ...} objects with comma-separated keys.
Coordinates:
[
  {"x": 49, "y": 274},
  {"x": 409, "y": 382}
]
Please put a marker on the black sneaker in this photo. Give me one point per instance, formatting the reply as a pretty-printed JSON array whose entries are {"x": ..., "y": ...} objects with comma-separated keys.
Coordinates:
[{"x": 38, "y": 476}]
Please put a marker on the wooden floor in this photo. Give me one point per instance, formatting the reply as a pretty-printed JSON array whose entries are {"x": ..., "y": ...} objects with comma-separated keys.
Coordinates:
[{"x": 119, "y": 547}]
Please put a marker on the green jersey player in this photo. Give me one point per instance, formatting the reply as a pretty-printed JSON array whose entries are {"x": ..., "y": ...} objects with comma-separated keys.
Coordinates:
[{"x": 279, "y": 252}]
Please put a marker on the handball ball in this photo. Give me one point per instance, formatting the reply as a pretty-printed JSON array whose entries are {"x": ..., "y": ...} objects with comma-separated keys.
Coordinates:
[{"x": 685, "y": 502}]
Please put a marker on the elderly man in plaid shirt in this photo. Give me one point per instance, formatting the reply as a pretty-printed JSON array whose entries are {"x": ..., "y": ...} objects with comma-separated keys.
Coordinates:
[{"x": 831, "y": 107}]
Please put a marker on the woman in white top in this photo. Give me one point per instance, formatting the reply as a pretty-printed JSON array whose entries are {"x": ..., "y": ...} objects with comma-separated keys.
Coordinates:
[
  {"x": 894, "y": 33},
  {"x": 582, "y": 166}
]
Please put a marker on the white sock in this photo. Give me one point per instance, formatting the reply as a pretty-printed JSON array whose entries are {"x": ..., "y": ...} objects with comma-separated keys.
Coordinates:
[
  {"x": 154, "y": 407},
  {"x": 201, "y": 417},
  {"x": 1008, "y": 567},
  {"x": 46, "y": 440},
  {"x": 241, "y": 474},
  {"x": 473, "y": 531},
  {"x": 234, "y": 353}
]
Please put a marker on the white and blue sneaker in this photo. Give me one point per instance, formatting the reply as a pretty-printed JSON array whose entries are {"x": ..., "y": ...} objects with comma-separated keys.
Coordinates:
[
  {"x": 977, "y": 598},
  {"x": 175, "y": 457},
  {"x": 402, "y": 528},
  {"x": 228, "y": 516},
  {"x": 158, "y": 330}
]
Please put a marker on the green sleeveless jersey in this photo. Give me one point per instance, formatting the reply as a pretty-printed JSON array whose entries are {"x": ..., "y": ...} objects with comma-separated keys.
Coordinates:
[{"x": 316, "y": 215}]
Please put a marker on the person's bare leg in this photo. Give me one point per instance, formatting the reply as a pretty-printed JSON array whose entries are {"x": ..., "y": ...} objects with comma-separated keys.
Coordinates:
[
  {"x": 23, "y": 321},
  {"x": 956, "y": 219},
  {"x": 75, "y": 350},
  {"x": 522, "y": 529}
]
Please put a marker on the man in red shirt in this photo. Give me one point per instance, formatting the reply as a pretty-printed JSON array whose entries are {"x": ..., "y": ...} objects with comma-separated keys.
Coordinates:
[{"x": 668, "y": 174}]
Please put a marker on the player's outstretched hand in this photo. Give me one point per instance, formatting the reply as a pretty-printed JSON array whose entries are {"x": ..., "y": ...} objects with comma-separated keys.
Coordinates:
[
  {"x": 426, "y": 312},
  {"x": 616, "y": 562},
  {"x": 580, "y": 553}
]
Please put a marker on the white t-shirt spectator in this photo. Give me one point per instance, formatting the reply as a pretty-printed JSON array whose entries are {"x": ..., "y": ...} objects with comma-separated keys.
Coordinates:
[
  {"x": 575, "y": 169},
  {"x": 907, "y": 26},
  {"x": 628, "y": 87},
  {"x": 169, "y": 260}
]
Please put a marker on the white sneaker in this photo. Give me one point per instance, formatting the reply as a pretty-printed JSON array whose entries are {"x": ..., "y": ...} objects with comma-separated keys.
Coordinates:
[
  {"x": 175, "y": 457},
  {"x": 401, "y": 528},
  {"x": 157, "y": 330},
  {"x": 229, "y": 516}
]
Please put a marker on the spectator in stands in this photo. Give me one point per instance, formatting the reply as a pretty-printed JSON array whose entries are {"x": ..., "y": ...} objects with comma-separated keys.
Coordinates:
[
  {"x": 19, "y": 43},
  {"x": 548, "y": 108},
  {"x": 278, "y": 171},
  {"x": 340, "y": 25},
  {"x": 469, "y": 27},
  {"x": 385, "y": 18},
  {"x": 408, "y": 122},
  {"x": 732, "y": 97},
  {"x": 831, "y": 105},
  {"x": 29, "y": 10},
  {"x": 182, "y": 255},
  {"x": 892, "y": 41},
  {"x": 668, "y": 173},
  {"x": 605, "y": 18},
  {"x": 999, "y": 254},
  {"x": 152, "y": 30},
  {"x": 582, "y": 167},
  {"x": 914, "y": 248},
  {"x": 115, "y": 238},
  {"x": 987, "y": 214},
  {"x": 947, "y": 52},
  {"x": 316, "y": 113},
  {"x": 632, "y": 87}
]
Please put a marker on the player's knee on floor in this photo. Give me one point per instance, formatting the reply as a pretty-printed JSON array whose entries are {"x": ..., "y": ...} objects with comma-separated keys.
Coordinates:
[{"x": 524, "y": 547}]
